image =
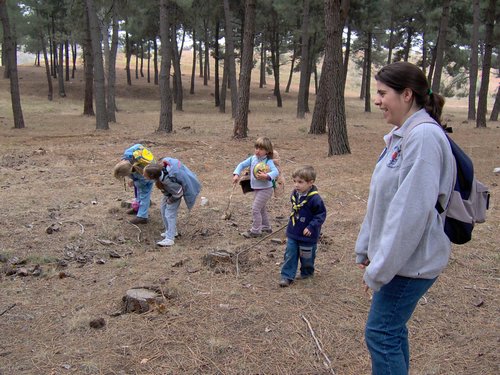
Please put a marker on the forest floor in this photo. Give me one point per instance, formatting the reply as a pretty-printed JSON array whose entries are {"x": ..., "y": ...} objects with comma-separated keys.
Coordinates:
[{"x": 68, "y": 254}]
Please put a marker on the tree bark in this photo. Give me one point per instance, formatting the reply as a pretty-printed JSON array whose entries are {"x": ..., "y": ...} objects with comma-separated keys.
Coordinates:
[
  {"x": 263, "y": 62},
  {"x": 473, "y": 61},
  {"x": 241, "y": 118},
  {"x": 193, "y": 70},
  {"x": 496, "y": 106},
  {"x": 50, "y": 93},
  {"x": 111, "y": 102},
  {"x": 231, "y": 59},
  {"x": 292, "y": 66},
  {"x": 216, "y": 67},
  {"x": 66, "y": 50},
  {"x": 88, "y": 102},
  {"x": 485, "y": 76},
  {"x": 274, "y": 42},
  {"x": 176, "y": 61},
  {"x": 99, "y": 80},
  {"x": 60, "y": 71},
  {"x": 368, "y": 75},
  {"x": 128, "y": 55},
  {"x": 155, "y": 59},
  {"x": 335, "y": 15},
  {"x": 11, "y": 52},
  {"x": 441, "y": 46},
  {"x": 304, "y": 61},
  {"x": 165, "y": 124}
]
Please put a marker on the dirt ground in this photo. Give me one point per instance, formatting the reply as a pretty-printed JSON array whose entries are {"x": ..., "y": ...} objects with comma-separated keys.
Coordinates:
[{"x": 56, "y": 176}]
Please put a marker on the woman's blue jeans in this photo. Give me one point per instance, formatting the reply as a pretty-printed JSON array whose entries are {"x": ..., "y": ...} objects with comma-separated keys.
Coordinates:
[
  {"x": 386, "y": 333},
  {"x": 295, "y": 251}
]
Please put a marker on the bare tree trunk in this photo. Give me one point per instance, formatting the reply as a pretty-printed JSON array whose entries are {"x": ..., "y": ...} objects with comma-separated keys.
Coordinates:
[
  {"x": 165, "y": 124},
  {"x": 263, "y": 62},
  {"x": 362, "y": 90},
  {"x": 99, "y": 80},
  {"x": 60, "y": 71},
  {"x": 347, "y": 51},
  {"x": 66, "y": 49},
  {"x": 223, "y": 91},
  {"x": 304, "y": 61},
  {"x": 231, "y": 59},
  {"x": 496, "y": 106},
  {"x": 128, "y": 55},
  {"x": 88, "y": 102},
  {"x": 141, "y": 70},
  {"x": 111, "y": 102},
  {"x": 216, "y": 68},
  {"x": 338, "y": 143},
  {"x": 292, "y": 66},
  {"x": 274, "y": 42},
  {"x": 73, "y": 57},
  {"x": 149, "y": 61},
  {"x": 179, "y": 97},
  {"x": 11, "y": 53},
  {"x": 368, "y": 75},
  {"x": 471, "y": 113},
  {"x": 155, "y": 59},
  {"x": 206, "y": 71},
  {"x": 193, "y": 70},
  {"x": 241, "y": 118},
  {"x": 443, "y": 30},
  {"x": 485, "y": 77},
  {"x": 50, "y": 93}
]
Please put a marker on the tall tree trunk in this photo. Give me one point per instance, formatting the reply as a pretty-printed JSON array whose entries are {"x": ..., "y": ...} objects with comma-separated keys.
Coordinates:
[
  {"x": 149, "y": 61},
  {"x": 54, "y": 47},
  {"x": 228, "y": 30},
  {"x": 165, "y": 124},
  {"x": 496, "y": 106},
  {"x": 274, "y": 41},
  {"x": 347, "y": 51},
  {"x": 193, "y": 69},
  {"x": 11, "y": 53},
  {"x": 176, "y": 61},
  {"x": 292, "y": 66},
  {"x": 99, "y": 80},
  {"x": 362, "y": 90},
  {"x": 485, "y": 76},
  {"x": 206, "y": 71},
  {"x": 441, "y": 46},
  {"x": 73, "y": 59},
  {"x": 136, "y": 50},
  {"x": 473, "y": 61},
  {"x": 60, "y": 71},
  {"x": 50, "y": 93},
  {"x": 128, "y": 55},
  {"x": 223, "y": 91},
  {"x": 409, "y": 35},
  {"x": 88, "y": 102},
  {"x": 335, "y": 16},
  {"x": 241, "y": 118},
  {"x": 155, "y": 59},
  {"x": 66, "y": 50},
  {"x": 111, "y": 102},
  {"x": 216, "y": 68},
  {"x": 368, "y": 76},
  {"x": 304, "y": 61},
  {"x": 263, "y": 63},
  {"x": 141, "y": 69},
  {"x": 424, "y": 52}
]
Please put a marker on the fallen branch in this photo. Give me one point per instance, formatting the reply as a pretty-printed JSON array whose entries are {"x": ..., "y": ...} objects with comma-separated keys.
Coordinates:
[
  {"x": 140, "y": 232},
  {"x": 327, "y": 363},
  {"x": 82, "y": 228},
  {"x": 7, "y": 309},
  {"x": 255, "y": 244}
]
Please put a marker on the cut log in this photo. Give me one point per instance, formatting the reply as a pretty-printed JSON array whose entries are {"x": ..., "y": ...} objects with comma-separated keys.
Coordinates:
[{"x": 140, "y": 300}]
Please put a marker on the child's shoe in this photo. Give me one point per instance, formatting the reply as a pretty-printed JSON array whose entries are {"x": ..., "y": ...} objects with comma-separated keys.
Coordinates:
[
  {"x": 267, "y": 230},
  {"x": 285, "y": 282},
  {"x": 250, "y": 234},
  {"x": 164, "y": 234},
  {"x": 165, "y": 242},
  {"x": 139, "y": 220},
  {"x": 131, "y": 211}
]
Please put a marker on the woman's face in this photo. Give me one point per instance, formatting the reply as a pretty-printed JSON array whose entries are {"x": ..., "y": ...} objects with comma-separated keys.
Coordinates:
[{"x": 394, "y": 106}]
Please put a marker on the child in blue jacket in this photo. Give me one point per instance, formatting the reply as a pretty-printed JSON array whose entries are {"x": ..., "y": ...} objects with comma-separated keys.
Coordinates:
[
  {"x": 175, "y": 180},
  {"x": 304, "y": 226}
]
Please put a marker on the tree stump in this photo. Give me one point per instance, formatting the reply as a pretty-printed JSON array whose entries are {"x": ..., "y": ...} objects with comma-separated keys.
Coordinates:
[{"x": 140, "y": 300}]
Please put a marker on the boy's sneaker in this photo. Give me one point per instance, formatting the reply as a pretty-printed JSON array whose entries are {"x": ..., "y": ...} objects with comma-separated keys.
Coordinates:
[
  {"x": 285, "y": 282},
  {"x": 165, "y": 242},
  {"x": 250, "y": 234},
  {"x": 164, "y": 234},
  {"x": 139, "y": 220}
]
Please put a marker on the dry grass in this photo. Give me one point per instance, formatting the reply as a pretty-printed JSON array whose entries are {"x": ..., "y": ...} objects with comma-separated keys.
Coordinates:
[{"x": 58, "y": 169}]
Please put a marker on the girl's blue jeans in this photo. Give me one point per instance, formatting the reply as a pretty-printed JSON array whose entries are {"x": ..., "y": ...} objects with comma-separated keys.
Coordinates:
[
  {"x": 169, "y": 216},
  {"x": 295, "y": 251},
  {"x": 143, "y": 189},
  {"x": 386, "y": 333}
]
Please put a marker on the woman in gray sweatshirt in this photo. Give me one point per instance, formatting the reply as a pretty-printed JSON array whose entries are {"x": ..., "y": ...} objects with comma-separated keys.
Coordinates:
[{"x": 401, "y": 245}]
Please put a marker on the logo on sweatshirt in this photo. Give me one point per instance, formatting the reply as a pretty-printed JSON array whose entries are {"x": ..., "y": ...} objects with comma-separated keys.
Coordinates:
[{"x": 394, "y": 157}]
